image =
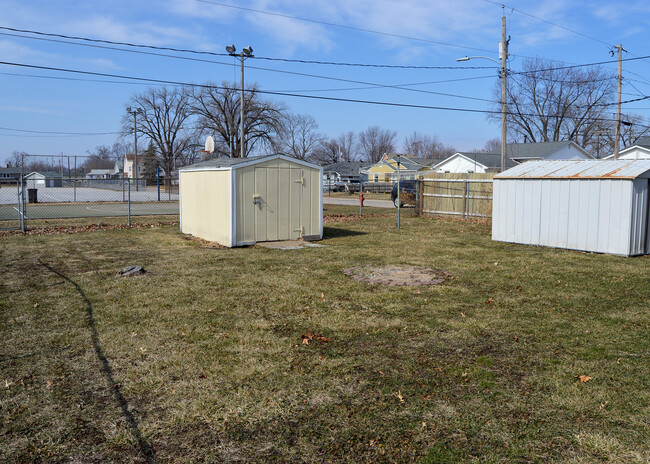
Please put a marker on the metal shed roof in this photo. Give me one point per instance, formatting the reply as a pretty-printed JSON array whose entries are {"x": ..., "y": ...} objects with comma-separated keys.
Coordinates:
[{"x": 579, "y": 169}]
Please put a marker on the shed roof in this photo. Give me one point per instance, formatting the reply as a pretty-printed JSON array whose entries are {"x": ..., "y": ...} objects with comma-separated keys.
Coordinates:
[
  {"x": 578, "y": 169},
  {"x": 230, "y": 163},
  {"x": 45, "y": 174}
]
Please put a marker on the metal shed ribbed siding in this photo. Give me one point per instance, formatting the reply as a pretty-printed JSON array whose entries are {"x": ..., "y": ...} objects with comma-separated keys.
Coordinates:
[{"x": 599, "y": 206}]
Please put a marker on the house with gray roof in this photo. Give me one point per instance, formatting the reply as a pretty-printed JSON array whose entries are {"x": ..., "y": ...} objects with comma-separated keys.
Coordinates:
[
  {"x": 473, "y": 162},
  {"x": 639, "y": 150},
  {"x": 9, "y": 175},
  {"x": 567, "y": 150},
  {"x": 516, "y": 153},
  {"x": 346, "y": 171}
]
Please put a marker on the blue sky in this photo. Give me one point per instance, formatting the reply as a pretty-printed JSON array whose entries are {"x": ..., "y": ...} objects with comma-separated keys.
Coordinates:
[{"x": 414, "y": 33}]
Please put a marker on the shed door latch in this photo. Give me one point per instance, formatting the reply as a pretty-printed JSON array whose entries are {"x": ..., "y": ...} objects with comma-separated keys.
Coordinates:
[
  {"x": 300, "y": 181},
  {"x": 257, "y": 199}
]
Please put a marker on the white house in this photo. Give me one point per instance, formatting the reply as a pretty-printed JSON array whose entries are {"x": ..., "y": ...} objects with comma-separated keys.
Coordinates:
[
  {"x": 100, "y": 174},
  {"x": 129, "y": 168},
  {"x": 472, "y": 162},
  {"x": 516, "y": 153},
  {"x": 521, "y": 152},
  {"x": 640, "y": 150}
]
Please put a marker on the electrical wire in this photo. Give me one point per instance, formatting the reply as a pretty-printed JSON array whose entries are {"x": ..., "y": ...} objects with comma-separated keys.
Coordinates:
[
  {"x": 265, "y": 69},
  {"x": 284, "y": 94},
  {"x": 352, "y": 28},
  {"x": 44, "y": 36}
]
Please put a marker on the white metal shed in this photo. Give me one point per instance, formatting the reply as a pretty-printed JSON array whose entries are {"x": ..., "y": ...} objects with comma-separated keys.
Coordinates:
[
  {"x": 594, "y": 205},
  {"x": 241, "y": 201}
]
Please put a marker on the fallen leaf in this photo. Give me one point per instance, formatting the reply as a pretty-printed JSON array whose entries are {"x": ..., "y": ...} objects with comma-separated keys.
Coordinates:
[
  {"x": 322, "y": 296},
  {"x": 399, "y": 395},
  {"x": 462, "y": 315},
  {"x": 305, "y": 341},
  {"x": 583, "y": 378},
  {"x": 604, "y": 405},
  {"x": 489, "y": 301}
]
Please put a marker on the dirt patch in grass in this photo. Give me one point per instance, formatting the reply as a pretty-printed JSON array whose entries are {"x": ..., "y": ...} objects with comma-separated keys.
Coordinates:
[{"x": 412, "y": 276}]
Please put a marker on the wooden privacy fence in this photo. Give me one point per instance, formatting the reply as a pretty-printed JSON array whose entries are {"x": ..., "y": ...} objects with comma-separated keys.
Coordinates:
[{"x": 467, "y": 195}]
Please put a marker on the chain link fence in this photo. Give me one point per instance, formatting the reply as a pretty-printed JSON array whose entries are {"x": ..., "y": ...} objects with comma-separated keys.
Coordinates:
[{"x": 37, "y": 194}]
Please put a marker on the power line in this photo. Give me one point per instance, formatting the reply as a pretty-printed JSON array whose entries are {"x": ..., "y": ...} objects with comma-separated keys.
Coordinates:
[
  {"x": 549, "y": 22},
  {"x": 352, "y": 28},
  {"x": 59, "y": 133},
  {"x": 284, "y": 94},
  {"x": 44, "y": 35},
  {"x": 270, "y": 69}
]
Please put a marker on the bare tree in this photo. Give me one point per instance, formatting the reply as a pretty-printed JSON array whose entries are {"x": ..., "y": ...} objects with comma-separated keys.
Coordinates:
[
  {"x": 341, "y": 148},
  {"x": 347, "y": 146},
  {"x": 15, "y": 159},
  {"x": 492, "y": 146},
  {"x": 164, "y": 117},
  {"x": 427, "y": 147},
  {"x": 219, "y": 113},
  {"x": 374, "y": 142},
  {"x": 102, "y": 157},
  {"x": 548, "y": 102},
  {"x": 299, "y": 137}
]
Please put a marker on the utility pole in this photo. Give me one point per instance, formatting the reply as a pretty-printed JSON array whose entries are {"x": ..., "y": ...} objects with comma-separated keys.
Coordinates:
[
  {"x": 503, "y": 52},
  {"x": 618, "y": 101},
  {"x": 135, "y": 112}
]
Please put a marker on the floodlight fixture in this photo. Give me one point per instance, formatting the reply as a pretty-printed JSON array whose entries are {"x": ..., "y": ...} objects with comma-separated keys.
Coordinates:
[
  {"x": 248, "y": 51},
  {"x": 230, "y": 49}
]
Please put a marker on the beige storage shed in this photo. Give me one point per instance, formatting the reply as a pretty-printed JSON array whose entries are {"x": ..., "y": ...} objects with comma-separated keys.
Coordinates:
[{"x": 241, "y": 201}]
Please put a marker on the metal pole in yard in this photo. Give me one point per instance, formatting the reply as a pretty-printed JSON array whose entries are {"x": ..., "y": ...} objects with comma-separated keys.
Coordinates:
[
  {"x": 466, "y": 199},
  {"x": 74, "y": 185},
  {"x": 21, "y": 190},
  {"x": 129, "y": 205},
  {"x": 158, "y": 180},
  {"x": 398, "y": 191}
]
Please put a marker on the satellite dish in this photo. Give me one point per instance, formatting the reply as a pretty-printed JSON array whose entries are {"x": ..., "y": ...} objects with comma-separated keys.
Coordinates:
[{"x": 209, "y": 144}]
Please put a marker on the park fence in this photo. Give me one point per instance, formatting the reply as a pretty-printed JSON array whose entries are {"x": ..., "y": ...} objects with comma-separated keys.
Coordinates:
[
  {"x": 466, "y": 195},
  {"x": 53, "y": 198}
]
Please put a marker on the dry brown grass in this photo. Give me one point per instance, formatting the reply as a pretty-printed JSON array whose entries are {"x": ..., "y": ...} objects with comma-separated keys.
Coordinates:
[{"x": 202, "y": 360}]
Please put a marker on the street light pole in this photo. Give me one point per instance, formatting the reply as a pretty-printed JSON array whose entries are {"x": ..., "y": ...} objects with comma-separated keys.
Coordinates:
[
  {"x": 247, "y": 52},
  {"x": 135, "y": 112}
]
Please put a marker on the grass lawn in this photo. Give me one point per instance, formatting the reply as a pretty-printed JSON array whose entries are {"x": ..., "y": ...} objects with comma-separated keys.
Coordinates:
[{"x": 202, "y": 360}]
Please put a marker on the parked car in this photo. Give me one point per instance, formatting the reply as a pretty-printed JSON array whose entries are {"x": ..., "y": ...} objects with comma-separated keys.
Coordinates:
[
  {"x": 333, "y": 186},
  {"x": 408, "y": 189}
]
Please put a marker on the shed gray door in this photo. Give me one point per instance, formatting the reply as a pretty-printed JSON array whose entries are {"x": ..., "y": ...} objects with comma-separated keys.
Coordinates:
[{"x": 277, "y": 210}]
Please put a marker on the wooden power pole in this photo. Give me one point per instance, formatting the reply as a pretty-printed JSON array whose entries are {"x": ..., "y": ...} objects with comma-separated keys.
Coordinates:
[{"x": 618, "y": 101}]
